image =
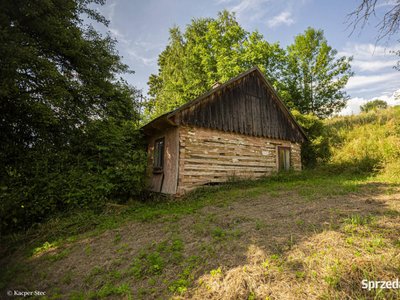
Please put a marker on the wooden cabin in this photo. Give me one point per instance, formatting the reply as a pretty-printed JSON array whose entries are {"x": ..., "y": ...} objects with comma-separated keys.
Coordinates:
[{"x": 239, "y": 128}]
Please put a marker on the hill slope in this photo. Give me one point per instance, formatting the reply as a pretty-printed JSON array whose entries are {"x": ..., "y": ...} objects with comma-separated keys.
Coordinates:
[
  {"x": 312, "y": 235},
  {"x": 367, "y": 141}
]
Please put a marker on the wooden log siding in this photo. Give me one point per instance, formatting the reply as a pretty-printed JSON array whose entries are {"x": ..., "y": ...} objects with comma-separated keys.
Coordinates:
[
  {"x": 207, "y": 155},
  {"x": 246, "y": 106}
]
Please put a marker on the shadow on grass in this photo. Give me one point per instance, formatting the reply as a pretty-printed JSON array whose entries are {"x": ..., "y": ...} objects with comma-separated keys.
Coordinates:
[{"x": 317, "y": 232}]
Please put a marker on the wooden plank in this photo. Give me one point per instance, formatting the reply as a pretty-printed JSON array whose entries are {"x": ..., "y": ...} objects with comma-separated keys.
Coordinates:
[
  {"x": 230, "y": 158},
  {"x": 216, "y": 162},
  {"x": 224, "y": 168},
  {"x": 212, "y": 179},
  {"x": 236, "y": 154},
  {"x": 237, "y": 173}
]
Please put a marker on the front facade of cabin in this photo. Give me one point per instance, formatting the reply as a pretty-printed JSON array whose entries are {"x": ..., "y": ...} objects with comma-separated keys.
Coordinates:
[{"x": 241, "y": 128}]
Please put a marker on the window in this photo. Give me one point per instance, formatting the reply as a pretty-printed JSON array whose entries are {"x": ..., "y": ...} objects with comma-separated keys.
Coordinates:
[
  {"x": 284, "y": 158},
  {"x": 159, "y": 155}
]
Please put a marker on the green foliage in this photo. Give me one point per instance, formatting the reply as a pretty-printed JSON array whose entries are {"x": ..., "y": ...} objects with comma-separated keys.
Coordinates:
[
  {"x": 356, "y": 219},
  {"x": 179, "y": 286},
  {"x": 56, "y": 74},
  {"x": 156, "y": 263},
  {"x": 209, "y": 50},
  {"x": 314, "y": 77},
  {"x": 317, "y": 149},
  {"x": 104, "y": 162},
  {"x": 366, "y": 142},
  {"x": 68, "y": 128},
  {"x": 376, "y": 104},
  {"x": 308, "y": 77}
]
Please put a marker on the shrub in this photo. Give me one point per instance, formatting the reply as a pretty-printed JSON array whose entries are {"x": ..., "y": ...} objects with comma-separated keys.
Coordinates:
[
  {"x": 104, "y": 162},
  {"x": 376, "y": 104},
  {"x": 317, "y": 149}
]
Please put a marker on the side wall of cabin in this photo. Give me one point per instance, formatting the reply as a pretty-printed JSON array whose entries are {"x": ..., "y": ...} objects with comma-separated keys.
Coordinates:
[
  {"x": 208, "y": 155},
  {"x": 167, "y": 180}
]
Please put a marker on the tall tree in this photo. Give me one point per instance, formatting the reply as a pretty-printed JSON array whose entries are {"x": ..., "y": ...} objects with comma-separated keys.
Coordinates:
[
  {"x": 55, "y": 73},
  {"x": 209, "y": 50},
  {"x": 67, "y": 125},
  {"x": 314, "y": 78}
]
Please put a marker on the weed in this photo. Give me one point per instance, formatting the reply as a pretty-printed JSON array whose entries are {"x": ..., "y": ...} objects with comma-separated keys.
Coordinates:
[
  {"x": 355, "y": 219},
  {"x": 215, "y": 272},
  {"x": 218, "y": 232},
  {"x": 156, "y": 263},
  {"x": 117, "y": 239},
  {"x": 179, "y": 286},
  {"x": 258, "y": 225},
  {"x": 68, "y": 278},
  {"x": 265, "y": 264}
]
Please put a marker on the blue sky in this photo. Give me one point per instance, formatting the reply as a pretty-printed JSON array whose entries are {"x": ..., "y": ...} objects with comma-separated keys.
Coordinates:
[{"x": 142, "y": 31}]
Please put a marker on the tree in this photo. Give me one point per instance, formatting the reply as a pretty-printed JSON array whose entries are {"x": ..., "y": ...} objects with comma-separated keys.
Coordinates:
[
  {"x": 209, "y": 50},
  {"x": 68, "y": 127},
  {"x": 379, "y": 104},
  {"x": 55, "y": 74},
  {"x": 314, "y": 78},
  {"x": 388, "y": 26}
]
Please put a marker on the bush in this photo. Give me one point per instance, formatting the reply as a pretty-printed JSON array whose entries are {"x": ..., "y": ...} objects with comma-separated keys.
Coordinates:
[
  {"x": 103, "y": 162},
  {"x": 376, "y": 104},
  {"x": 317, "y": 149}
]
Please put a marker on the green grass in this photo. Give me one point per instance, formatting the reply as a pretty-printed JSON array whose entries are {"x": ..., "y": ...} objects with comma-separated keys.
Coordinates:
[
  {"x": 366, "y": 142},
  {"x": 150, "y": 265},
  {"x": 349, "y": 172}
]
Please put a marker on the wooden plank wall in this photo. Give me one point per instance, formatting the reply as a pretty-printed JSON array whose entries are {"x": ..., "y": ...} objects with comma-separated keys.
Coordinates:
[
  {"x": 245, "y": 106},
  {"x": 207, "y": 155}
]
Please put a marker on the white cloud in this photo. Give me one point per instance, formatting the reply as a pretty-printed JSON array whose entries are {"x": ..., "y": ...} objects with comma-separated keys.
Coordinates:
[
  {"x": 149, "y": 45},
  {"x": 387, "y": 3},
  {"x": 362, "y": 81},
  {"x": 373, "y": 65},
  {"x": 250, "y": 10},
  {"x": 140, "y": 49},
  {"x": 120, "y": 37},
  {"x": 108, "y": 10},
  {"x": 353, "y": 105},
  {"x": 152, "y": 61},
  {"x": 270, "y": 12},
  {"x": 246, "y": 5},
  {"x": 374, "y": 70},
  {"x": 282, "y": 18},
  {"x": 367, "y": 51}
]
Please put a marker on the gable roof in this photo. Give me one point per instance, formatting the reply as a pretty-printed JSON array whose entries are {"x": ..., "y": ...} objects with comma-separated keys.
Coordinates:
[{"x": 171, "y": 118}]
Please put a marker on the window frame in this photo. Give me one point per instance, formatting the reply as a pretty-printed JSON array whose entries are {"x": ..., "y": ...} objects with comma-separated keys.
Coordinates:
[
  {"x": 159, "y": 169},
  {"x": 279, "y": 157}
]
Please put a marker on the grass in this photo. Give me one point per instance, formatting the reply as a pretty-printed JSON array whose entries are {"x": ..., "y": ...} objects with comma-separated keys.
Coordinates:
[
  {"x": 313, "y": 235},
  {"x": 367, "y": 141},
  {"x": 323, "y": 244}
]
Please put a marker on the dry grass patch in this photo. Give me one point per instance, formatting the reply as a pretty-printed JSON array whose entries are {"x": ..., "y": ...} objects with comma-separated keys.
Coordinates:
[{"x": 293, "y": 243}]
